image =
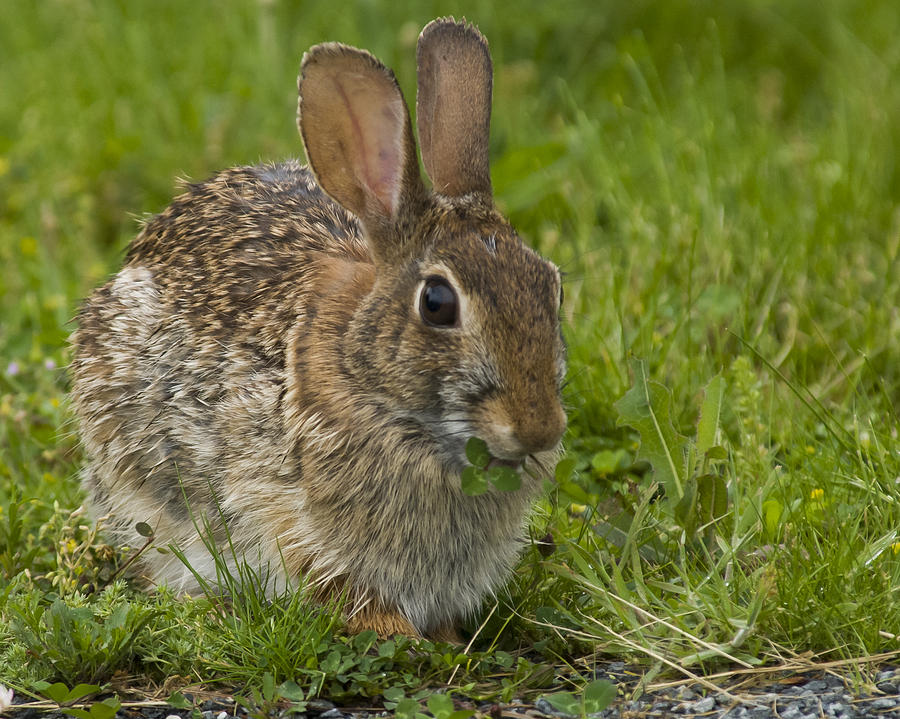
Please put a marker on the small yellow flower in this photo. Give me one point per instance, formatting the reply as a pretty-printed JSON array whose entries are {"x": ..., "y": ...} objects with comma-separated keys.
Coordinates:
[
  {"x": 28, "y": 246},
  {"x": 810, "y": 449},
  {"x": 817, "y": 495}
]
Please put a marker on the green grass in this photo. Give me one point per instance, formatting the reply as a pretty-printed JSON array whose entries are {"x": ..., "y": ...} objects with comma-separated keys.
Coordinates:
[{"x": 720, "y": 183}]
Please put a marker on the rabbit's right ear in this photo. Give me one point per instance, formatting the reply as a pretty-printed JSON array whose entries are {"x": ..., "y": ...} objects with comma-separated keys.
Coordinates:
[
  {"x": 453, "y": 107},
  {"x": 356, "y": 130}
]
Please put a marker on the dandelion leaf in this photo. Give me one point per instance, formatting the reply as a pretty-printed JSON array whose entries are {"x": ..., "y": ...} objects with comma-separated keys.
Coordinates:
[{"x": 647, "y": 407}]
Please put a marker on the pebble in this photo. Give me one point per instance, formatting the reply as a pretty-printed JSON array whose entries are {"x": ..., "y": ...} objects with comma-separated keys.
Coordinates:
[
  {"x": 759, "y": 713},
  {"x": 817, "y": 686},
  {"x": 883, "y": 703},
  {"x": 703, "y": 705},
  {"x": 332, "y": 714}
]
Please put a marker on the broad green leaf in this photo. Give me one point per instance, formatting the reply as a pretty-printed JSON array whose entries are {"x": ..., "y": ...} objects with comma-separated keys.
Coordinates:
[
  {"x": 565, "y": 702},
  {"x": 712, "y": 498},
  {"x": 387, "y": 649},
  {"x": 772, "y": 516},
  {"x": 144, "y": 529},
  {"x": 364, "y": 641},
  {"x": 710, "y": 412},
  {"x": 179, "y": 701},
  {"x": 79, "y": 691},
  {"x": 506, "y": 479},
  {"x": 474, "y": 481},
  {"x": 58, "y": 692},
  {"x": 407, "y": 708},
  {"x": 647, "y": 407},
  {"x": 598, "y": 695},
  {"x": 477, "y": 452},
  {"x": 330, "y": 664},
  {"x": 394, "y": 694},
  {"x": 685, "y": 510},
  {"x": 268, "y": 686},
  {"x": 575, "y": 492},
  {"x": 564, "y": 469},
  {"x": 607, "y": 461},
  {"x": 440, "y": 705},
  {"x": 717, "y": 452},
  {"x": 105, "y": 709}
]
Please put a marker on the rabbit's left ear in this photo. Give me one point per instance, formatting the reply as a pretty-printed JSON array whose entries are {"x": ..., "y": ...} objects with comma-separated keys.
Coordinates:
[
  {"x": 453, "y": 106},
  {"x": 358, "y": 139}
]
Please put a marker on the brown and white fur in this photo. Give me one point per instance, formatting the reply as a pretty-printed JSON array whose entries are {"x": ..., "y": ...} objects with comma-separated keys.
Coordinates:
[{"x": 263, "y": 359}]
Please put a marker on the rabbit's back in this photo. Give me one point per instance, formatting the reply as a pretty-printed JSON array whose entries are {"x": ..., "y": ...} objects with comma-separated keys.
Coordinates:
[
  {"x": 243, "y": 238},
  {"x": 179, "y": 360}
]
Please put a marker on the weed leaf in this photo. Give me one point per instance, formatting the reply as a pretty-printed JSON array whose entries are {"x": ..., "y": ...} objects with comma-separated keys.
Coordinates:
[
  {"x": 647, "y": 407},
  {"x": 598, "y": 695},
  {"x": 440, "y": 705},
  {"x": 179, "y": 701},
  {"x": 474, "y": 481},
  {"x": 506, "y": 479},
  {"x": 477, "y": 452},
  {"x": 565, "y": 702},
  {"x": 710, "y": 411},
  {"x": 712, "y": 498},
  {"x": 564, "y": 469}
]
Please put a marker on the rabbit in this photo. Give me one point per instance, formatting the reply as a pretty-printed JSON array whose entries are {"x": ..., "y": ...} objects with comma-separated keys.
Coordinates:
[{"x": 297, "y": 355}]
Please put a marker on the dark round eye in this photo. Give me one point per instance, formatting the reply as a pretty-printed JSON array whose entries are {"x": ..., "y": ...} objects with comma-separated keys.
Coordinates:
[
  {"x": 438, "y": 304},
  {"x": 562, "y": 295}
]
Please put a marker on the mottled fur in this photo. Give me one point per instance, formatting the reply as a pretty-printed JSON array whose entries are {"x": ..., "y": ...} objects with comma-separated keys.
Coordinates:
[{"x": 260, "y": 358}]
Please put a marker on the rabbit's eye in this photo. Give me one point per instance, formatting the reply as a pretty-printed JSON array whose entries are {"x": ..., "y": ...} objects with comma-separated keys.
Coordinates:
[
  {"x": 562, "y": 295},
  {"x": 438, "y": 304}
]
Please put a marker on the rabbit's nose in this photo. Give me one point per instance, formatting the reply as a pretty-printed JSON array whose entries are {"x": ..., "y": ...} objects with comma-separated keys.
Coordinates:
[
  {"x": 512, "y": 433},
  {"x": 541, "y": 429}
]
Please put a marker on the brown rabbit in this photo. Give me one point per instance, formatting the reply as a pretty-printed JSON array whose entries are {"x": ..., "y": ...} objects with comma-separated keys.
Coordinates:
[{"x": 300, "y": 355}]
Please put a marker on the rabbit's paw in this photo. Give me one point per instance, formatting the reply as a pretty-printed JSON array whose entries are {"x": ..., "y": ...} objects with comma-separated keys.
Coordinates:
[{"x": 385, "y": 622}]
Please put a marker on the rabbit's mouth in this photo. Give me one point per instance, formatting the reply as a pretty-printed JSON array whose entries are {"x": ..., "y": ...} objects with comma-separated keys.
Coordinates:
[{"x": 515, "y": 464}]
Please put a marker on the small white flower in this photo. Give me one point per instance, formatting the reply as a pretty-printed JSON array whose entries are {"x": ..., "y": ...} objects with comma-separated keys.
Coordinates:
[{"x": 6, "y": 697}]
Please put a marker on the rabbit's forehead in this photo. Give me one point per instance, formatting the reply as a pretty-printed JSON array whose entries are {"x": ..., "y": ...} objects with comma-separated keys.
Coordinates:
[{"x": 497, "y": 267}]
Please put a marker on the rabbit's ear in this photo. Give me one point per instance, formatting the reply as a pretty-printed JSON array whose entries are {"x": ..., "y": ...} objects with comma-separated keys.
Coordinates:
[
  {"x": 358, "y": 138},
  {"x": 453, "y": 109}
]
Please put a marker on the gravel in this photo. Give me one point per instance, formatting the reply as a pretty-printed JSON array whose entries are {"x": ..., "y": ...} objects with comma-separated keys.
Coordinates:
[{"x": 793, "y": 697}]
